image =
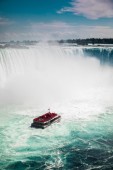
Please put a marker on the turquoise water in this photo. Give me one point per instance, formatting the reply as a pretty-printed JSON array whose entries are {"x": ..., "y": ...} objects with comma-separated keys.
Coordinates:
[{"x": 74, "y": 143}]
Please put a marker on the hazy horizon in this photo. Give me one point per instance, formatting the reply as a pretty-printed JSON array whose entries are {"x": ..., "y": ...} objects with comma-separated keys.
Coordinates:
[{"x": 48, "y": 20}]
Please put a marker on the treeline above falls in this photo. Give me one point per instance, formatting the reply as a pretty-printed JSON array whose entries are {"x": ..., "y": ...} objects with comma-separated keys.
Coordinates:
[{"x": 88, "y": 41}]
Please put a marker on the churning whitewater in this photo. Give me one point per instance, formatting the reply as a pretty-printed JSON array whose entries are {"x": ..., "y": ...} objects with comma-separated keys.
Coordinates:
[{"x": 75, "y": 82}]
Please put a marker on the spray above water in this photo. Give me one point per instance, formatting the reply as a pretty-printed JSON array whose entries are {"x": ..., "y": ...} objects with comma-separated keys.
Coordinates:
[
  {"x": 73, "y": 85},
  {"x": 45, "y": 74}
]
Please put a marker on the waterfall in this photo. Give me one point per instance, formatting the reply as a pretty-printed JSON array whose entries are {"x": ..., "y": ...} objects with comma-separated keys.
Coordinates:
[
  {"x": 17, "y": 61},
  {"x": 58, "y": 72}
]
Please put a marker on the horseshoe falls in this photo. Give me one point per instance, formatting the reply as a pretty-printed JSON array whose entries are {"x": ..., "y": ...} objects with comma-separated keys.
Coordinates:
[{"x": 75, "y": 82}]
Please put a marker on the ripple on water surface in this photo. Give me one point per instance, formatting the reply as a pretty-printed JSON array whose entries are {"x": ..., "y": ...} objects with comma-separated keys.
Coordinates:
[{"x": 81, "y": 143}]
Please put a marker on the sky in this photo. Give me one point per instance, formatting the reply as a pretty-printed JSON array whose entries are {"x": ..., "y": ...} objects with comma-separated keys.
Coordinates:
[{"x": 55, "y": 19}]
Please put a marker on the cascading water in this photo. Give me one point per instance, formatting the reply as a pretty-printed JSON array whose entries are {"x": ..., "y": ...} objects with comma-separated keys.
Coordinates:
[{"x": 71, "y": 84}]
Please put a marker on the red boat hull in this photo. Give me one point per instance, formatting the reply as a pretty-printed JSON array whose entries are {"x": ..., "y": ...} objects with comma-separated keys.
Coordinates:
[{"x": 45, "y": 120}]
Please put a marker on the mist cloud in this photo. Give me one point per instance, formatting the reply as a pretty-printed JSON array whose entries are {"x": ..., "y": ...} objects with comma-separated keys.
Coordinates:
[{"x": 56, "y": 30}]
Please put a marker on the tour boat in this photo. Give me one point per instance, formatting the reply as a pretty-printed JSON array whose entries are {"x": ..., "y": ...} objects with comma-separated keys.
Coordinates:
[{"x": 45, "y": 120}]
